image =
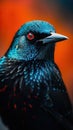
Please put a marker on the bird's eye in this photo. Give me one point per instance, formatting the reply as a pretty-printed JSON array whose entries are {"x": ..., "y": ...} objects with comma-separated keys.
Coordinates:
[{"x": 30, "y": 36}]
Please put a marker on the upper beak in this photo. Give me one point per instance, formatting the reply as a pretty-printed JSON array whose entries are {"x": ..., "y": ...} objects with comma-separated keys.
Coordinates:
[{"x": 54, "y": 37}]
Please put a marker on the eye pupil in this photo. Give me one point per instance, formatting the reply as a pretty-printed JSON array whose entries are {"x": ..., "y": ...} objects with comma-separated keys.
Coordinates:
[{"x": 30, "y": 36}]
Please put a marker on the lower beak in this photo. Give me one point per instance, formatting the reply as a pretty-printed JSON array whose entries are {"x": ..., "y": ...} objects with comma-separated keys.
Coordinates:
[{"x": 54, "y": 37}]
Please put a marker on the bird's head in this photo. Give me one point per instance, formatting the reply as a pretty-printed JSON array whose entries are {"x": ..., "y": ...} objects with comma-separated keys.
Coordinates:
[{"x": 34, "y": 40}]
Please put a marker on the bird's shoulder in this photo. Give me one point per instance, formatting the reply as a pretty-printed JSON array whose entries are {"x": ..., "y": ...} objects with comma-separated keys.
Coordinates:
[{"x": 8, "y": 64}]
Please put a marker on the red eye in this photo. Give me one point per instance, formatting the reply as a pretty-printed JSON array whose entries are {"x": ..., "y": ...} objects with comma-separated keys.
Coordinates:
[{"x": 30, "y": 36}]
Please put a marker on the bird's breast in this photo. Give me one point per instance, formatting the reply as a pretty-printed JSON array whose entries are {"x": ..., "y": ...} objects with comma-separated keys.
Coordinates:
[{"x": 21, "y": 85}]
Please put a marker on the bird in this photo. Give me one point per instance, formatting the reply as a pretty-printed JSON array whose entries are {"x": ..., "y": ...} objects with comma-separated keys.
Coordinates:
[{"x": 33, "y": 94}]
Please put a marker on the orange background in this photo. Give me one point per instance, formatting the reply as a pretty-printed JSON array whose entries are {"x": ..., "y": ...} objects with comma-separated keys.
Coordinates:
[{"x": 14, "y": 13}]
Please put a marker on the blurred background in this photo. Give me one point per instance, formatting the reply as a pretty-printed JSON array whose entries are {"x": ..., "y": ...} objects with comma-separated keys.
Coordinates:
[{"x": 14, "y": 13}]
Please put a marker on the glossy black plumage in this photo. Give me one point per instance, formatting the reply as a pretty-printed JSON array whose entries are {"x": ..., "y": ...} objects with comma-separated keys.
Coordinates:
[{"x": 29, "y": 84}]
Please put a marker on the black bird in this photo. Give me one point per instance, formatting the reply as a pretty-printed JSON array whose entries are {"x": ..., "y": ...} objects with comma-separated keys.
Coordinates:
[{"x": 32, "y": 92}]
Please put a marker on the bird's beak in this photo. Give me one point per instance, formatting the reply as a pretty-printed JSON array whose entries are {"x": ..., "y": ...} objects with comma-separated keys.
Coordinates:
[{"x": 54, "y": 37}]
